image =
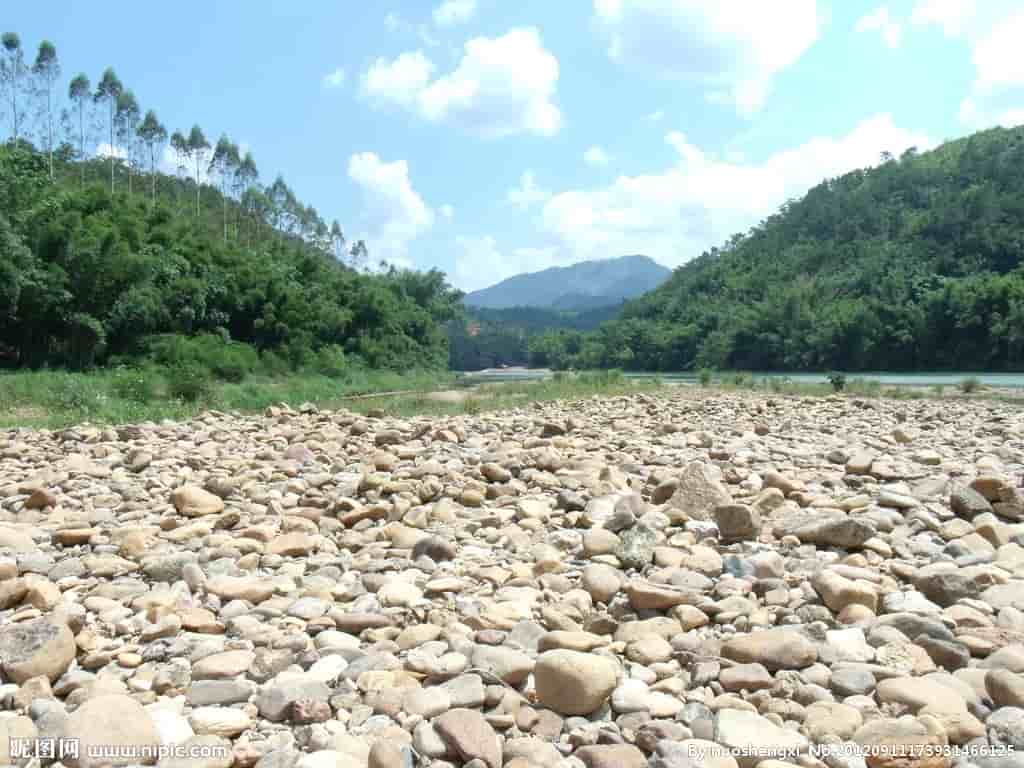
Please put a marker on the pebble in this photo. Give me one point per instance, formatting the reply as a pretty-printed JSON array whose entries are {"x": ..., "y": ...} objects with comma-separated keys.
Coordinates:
[{"x": 562, "y": 585}]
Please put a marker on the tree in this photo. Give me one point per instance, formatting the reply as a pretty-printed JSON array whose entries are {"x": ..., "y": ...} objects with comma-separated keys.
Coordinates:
[
  {"x": 337, "y": 240},
  {"x": 153, "y": 135},
  {"x": 79, "y": 94},
  {"x": 197, "y": 146},
  {"x": 359, "y": 255},
  {"x": 12, "y": 70},
  {"x": 180, "y": 146},
  {"x": 247, "y": 177},
  {"x": 47, "y": 70},
  {"x": 109, "y": 90},
  {"x": 127, "y": 118},
  {"x": 223, "y": 162}
]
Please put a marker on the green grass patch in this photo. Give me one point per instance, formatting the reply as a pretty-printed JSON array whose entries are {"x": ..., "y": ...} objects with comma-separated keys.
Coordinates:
[{"x": 56, "y": 399}]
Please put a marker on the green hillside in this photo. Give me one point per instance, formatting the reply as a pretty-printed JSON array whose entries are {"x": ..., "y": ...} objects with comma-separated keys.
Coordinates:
[
  {"x": 912, "y": 265},
  {"x": 89, "y": 276}
]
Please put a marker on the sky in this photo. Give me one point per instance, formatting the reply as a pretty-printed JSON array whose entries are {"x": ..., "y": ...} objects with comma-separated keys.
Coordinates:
[{"x": 492, "y": 137}]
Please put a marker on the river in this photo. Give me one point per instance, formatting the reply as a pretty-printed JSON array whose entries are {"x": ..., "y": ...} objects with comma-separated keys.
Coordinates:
[{"x": 1012, "y": 380}]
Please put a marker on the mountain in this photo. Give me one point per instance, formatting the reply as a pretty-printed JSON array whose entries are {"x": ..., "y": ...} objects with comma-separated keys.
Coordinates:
[
  {"x": 915, "y": 264},
  {"x": 586, "y": 285}
]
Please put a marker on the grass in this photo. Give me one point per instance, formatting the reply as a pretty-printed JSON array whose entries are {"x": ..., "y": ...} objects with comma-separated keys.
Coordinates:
[
  {"x": 504, "y": 395},
  {"x": 855, "y": 387},
  {"x": 56, "y": 399}
]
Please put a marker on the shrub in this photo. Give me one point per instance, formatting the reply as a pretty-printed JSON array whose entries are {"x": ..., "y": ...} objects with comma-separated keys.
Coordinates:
[
  {"x": 837, "y": 380},
  {"x": 137, "y": 385},
  {"x": 274, "y": 364},
  {"x": 970, "y": 384},
  {"x": 704, "y": 376},
  {"x": 939, "y": 390},
  {"x": 330, "y": 361},
  {"x": 227, "y": 360},
  {"x": 472, "y": 406},
  {"x": 740, "y": 379},
  {"x": 78, "y": 394},
  {"x": 232, "y": 362},
  {"x": 188, "y": 382}
]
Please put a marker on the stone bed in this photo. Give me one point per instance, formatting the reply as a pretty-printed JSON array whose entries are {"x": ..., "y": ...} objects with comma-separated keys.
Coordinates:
[{"x": 672, "y": 579}]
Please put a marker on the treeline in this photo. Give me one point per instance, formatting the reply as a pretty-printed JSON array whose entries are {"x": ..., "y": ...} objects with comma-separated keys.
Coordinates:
[
  {"x": 98, "y": 267},
  {"x": 488, "y": 338},
  {"x": 915, "y": 264},
  {"x": 82, "y": 122}
]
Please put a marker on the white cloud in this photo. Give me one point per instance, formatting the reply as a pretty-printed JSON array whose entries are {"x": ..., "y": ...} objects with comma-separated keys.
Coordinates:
[
  {"x": 701, "y": 201},
  {"x": 977, "y": 117},
  {"x": 880, "y": 21},
  {"x": 479, "y": 262},
  {"x": 335, "y": 79},
  {"x": 501, "y": 87},
  {"x": 595, "y": 157},
  {"x": 952, "y": 15},
  {"x": 447, "y": 211},
  {"x": 452, "y": 12},
  {"x": 527, "y": 193},
  {"x": 733, "y": 47},
  {"x": 997, "y": 56},
  {"x": 399, "y": 81},
  {"x": 394, "y": 213},
  {"x": 994, "y": 31}
]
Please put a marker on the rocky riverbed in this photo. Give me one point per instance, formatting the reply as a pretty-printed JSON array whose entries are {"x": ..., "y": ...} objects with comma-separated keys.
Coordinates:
[{"x": 668, "y": 580}]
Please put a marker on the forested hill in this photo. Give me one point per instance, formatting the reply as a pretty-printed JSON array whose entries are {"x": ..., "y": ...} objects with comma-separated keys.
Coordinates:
[
  {"x": 578, "y": 287},
  {"x": 107, "y": 260},
  {"x": 915, "y": 264}
]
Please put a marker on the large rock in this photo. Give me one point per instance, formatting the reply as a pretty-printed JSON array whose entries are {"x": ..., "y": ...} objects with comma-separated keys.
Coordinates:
[
  {"x": 117, "y": 722},
  {"x": 508, "y": 664},
  {"x": 470, "y": 736},
  {"x": 774, "y": 648},
  {"x": 968, "y": 503},
  {"x": 222, "y": 666},
  {"x": 753, "y": 738},
  {"x": 276, "y": 698},
  {"x": 636, "y": 546},
  {"x": 574, "y": 683},
  {"x": 193, "y": 501},
  {"x": 906, "y": 742},
  {"x": 698, "y": 493},
  {"x": 829, "y": 531},
  {"x": 737, "y": 522},
  {"x": 40, "y": 647},
  {"x": 611, "y": 756},
  {"x": 838, "y": 592}
]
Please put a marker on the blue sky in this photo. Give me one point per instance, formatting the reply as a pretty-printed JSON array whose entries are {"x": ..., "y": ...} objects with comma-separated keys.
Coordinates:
[{"x": 490, "y": 137}]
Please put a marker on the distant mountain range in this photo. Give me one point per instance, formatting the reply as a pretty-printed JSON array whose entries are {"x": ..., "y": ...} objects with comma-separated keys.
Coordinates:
[{"x": 582, "y": 286}]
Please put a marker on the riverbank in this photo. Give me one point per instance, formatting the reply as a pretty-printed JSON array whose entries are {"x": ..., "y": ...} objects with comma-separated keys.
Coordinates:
[{"x": 55, "y": 399}]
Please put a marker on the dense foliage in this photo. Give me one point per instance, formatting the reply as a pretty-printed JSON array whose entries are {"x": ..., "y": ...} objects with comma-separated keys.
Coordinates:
[
  {"x": 912, "y": 265},
  {"x": 108, "y": 258},
  {"x": 487, "y": 338}
]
